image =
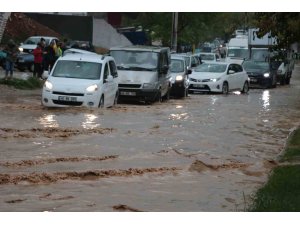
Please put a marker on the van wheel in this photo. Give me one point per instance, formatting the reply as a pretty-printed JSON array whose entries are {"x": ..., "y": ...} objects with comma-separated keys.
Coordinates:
[
  {"x": 225, "y": 88},
  {"x": 245, "y": 88},
  {"x": 101, "y": 102},
  {"x": 167, "y": 96},
  {"x": 159, "y": 97},
  {"x": 287, "y": 81},
  {"x": 116, "y": 98}
]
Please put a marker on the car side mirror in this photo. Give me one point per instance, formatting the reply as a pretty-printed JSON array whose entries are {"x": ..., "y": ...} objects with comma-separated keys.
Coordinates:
[
  {"x": 231, "y": 71},
  {"x": 189, "y": 71}
]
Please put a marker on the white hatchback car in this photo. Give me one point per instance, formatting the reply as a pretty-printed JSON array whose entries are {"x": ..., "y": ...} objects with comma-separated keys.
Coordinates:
[
  {"x": 219, "y": 77},
  {"x": 82, "y": 80}
]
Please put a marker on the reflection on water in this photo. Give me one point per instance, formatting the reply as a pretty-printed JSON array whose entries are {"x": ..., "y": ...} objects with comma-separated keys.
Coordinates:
[
  {"x": 266, "y": 100},
  {"x": 48, "y": 121},
  {"x": 179, "y": 106},
  {"x": 213, "y": 99},
  {"x": 178, "y": 116},
  {"x": 90, "y": 122}
]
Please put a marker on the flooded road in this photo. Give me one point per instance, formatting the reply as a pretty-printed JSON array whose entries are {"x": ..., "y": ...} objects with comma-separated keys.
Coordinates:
[{"x": 204, "y": 153}]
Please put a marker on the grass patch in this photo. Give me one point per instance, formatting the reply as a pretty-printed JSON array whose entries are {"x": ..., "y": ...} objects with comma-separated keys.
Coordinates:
[
  {"x": 292, "y": 152},
  {"x": 281, "y": 193},
  {"x": 29, "y": 84}
]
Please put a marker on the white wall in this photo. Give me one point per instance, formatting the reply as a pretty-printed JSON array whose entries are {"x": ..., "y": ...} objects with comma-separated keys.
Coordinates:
[{"x": 105, "y": 36}]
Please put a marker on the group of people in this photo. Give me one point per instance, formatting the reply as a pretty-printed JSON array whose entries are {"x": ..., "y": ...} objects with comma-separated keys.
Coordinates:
[{"x": 45, "y": 56}]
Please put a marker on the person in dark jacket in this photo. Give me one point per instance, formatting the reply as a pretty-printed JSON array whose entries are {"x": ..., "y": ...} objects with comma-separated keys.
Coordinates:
[{"x": 11, "y": 51}]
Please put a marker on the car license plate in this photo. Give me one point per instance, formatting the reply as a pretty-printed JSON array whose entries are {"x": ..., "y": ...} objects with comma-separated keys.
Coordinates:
[
  {"x": 128, "y": 93},
  {"x": 253, "y": 80},
  {"x": 21, "y": 60},
  {"x": 67, "y": 98},
  {"x": 199, "y": 85}
]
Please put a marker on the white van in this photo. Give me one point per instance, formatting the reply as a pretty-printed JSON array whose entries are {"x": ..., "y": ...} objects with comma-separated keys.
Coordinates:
[
  {"x": 82, "y": 80},
  {"x": 237, "y": 49},
  {"x": 143, "y": 72}
]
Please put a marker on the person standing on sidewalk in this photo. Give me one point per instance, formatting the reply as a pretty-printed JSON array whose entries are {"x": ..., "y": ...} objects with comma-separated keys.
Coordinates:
[
  {"x": 11, "y": 51},
  {"x": 38, "y": 60}
]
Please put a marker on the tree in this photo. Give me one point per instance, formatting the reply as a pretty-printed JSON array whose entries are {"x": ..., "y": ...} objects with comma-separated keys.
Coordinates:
[{"x": 283, "y": 25}]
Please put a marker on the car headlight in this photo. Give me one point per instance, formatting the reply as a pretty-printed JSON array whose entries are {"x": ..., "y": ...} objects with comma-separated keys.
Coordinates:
[
  {"x": 149, "y": 85},
  {"x": 214, "y": 79},
  {"x": 48, "y": 85},
  {"x": 21, "y": 49},
  {"x": 92, "y": 88},
  {"x": 266, "y": 75},
  {"x": 179, "y": 78}
]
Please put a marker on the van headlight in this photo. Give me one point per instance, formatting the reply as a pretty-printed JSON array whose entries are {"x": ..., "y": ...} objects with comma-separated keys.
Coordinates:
[
  {"x": 92, "y": 88},
  {"x": 149, "y": 85},
  {"x": 48, "y": 85},
  {"x": 21, "y": 49},
  {"x": 266, "y": 75},
  {"x": 179, "y": 78}
]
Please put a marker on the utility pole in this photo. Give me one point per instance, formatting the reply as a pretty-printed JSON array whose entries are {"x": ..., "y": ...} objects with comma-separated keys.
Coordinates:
[{"x": 174, "y": 31}]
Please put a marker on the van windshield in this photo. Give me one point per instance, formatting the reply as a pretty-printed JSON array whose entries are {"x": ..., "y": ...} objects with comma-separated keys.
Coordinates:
[
  {"x": 77, "y": 69},
  {"x": 238, "y": 53},
  {"x": 135, "y": 60}
]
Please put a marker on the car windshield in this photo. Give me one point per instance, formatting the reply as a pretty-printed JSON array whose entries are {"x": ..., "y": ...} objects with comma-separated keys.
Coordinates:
[
  {"x": 238, "y": 53},
  {"x": 257, "y": 66},
  {"x": 259, "y": 54},
  {"x": 212, "y": 68},
  {"x": 207, "y": 57},
  {"x": 177, "y": 65},
  {"x": 32, "y": 41},
  {"x": 135, "y": 60},
  {"x": 77, "y": 69}
]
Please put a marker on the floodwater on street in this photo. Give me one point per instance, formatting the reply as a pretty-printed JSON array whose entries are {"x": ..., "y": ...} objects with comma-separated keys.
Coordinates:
[{"x": 205, "y": 153}]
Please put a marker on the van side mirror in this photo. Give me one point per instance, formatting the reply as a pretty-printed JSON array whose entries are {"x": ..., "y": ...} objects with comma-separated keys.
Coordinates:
[
  {"x": 165, "y": 69},
  {"x": 109, "y": 79}
]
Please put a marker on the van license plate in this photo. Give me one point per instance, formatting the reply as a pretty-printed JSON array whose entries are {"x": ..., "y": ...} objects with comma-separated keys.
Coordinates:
[
  {"x": 67, "y": 98},
  {"x": 128, "y": 93}
]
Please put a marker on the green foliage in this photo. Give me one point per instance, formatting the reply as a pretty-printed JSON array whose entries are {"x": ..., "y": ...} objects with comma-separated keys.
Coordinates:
[
  {"x": 284, "y": 25},
  {"x": 281, "y": 193},
  {"x": 292, "y": 152},
  {"x": 31, "y": 83},
  {"x": 192, "y": 27}
]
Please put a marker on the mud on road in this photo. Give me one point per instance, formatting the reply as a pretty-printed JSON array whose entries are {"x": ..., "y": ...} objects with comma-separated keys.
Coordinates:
[{"x": 204, "y": 153}]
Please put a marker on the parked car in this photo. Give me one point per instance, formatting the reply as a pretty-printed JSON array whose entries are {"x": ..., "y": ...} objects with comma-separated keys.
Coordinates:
[
  {"x": 25, "y": 61},
  {"x": 144, "y": 73},
  {"x": 179, "y": 76},
  {"x": 219, "y": 77},
  {"x": 261, "y": 74},
  {"x": 30, "y": 43},
  {"x": 191, "y": 61},
  {"x": 84, "y": 45},
  {"x": 207, "y": 57},
  {"x": 82, "y": 80}
]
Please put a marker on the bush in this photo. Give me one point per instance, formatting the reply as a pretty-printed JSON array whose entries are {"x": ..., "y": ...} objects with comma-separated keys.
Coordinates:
[{"x": 29, "y": 84}]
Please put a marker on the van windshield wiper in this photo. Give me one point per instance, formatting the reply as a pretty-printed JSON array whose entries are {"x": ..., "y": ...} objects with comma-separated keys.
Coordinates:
[
  {"x": 122, "y": 67},
  {"x": 138, "y": 68}
]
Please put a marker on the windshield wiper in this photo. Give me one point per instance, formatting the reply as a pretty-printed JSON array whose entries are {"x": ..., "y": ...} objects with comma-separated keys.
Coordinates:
[
  {"x": 137, "y": 68},
  {"x": 123, "y": 67}
]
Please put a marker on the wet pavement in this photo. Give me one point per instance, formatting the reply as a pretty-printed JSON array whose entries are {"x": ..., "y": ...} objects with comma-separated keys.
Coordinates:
[{"x": 204, "y": 153}]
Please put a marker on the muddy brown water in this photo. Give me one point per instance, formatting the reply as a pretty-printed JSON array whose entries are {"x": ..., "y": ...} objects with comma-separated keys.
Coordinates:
[{"x": 204, "y": 153}]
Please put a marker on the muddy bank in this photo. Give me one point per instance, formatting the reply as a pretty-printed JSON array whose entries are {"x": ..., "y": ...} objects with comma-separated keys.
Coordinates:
[
  {"x": 51, "y": 132},
  {"x": 46, "y": 178}
]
